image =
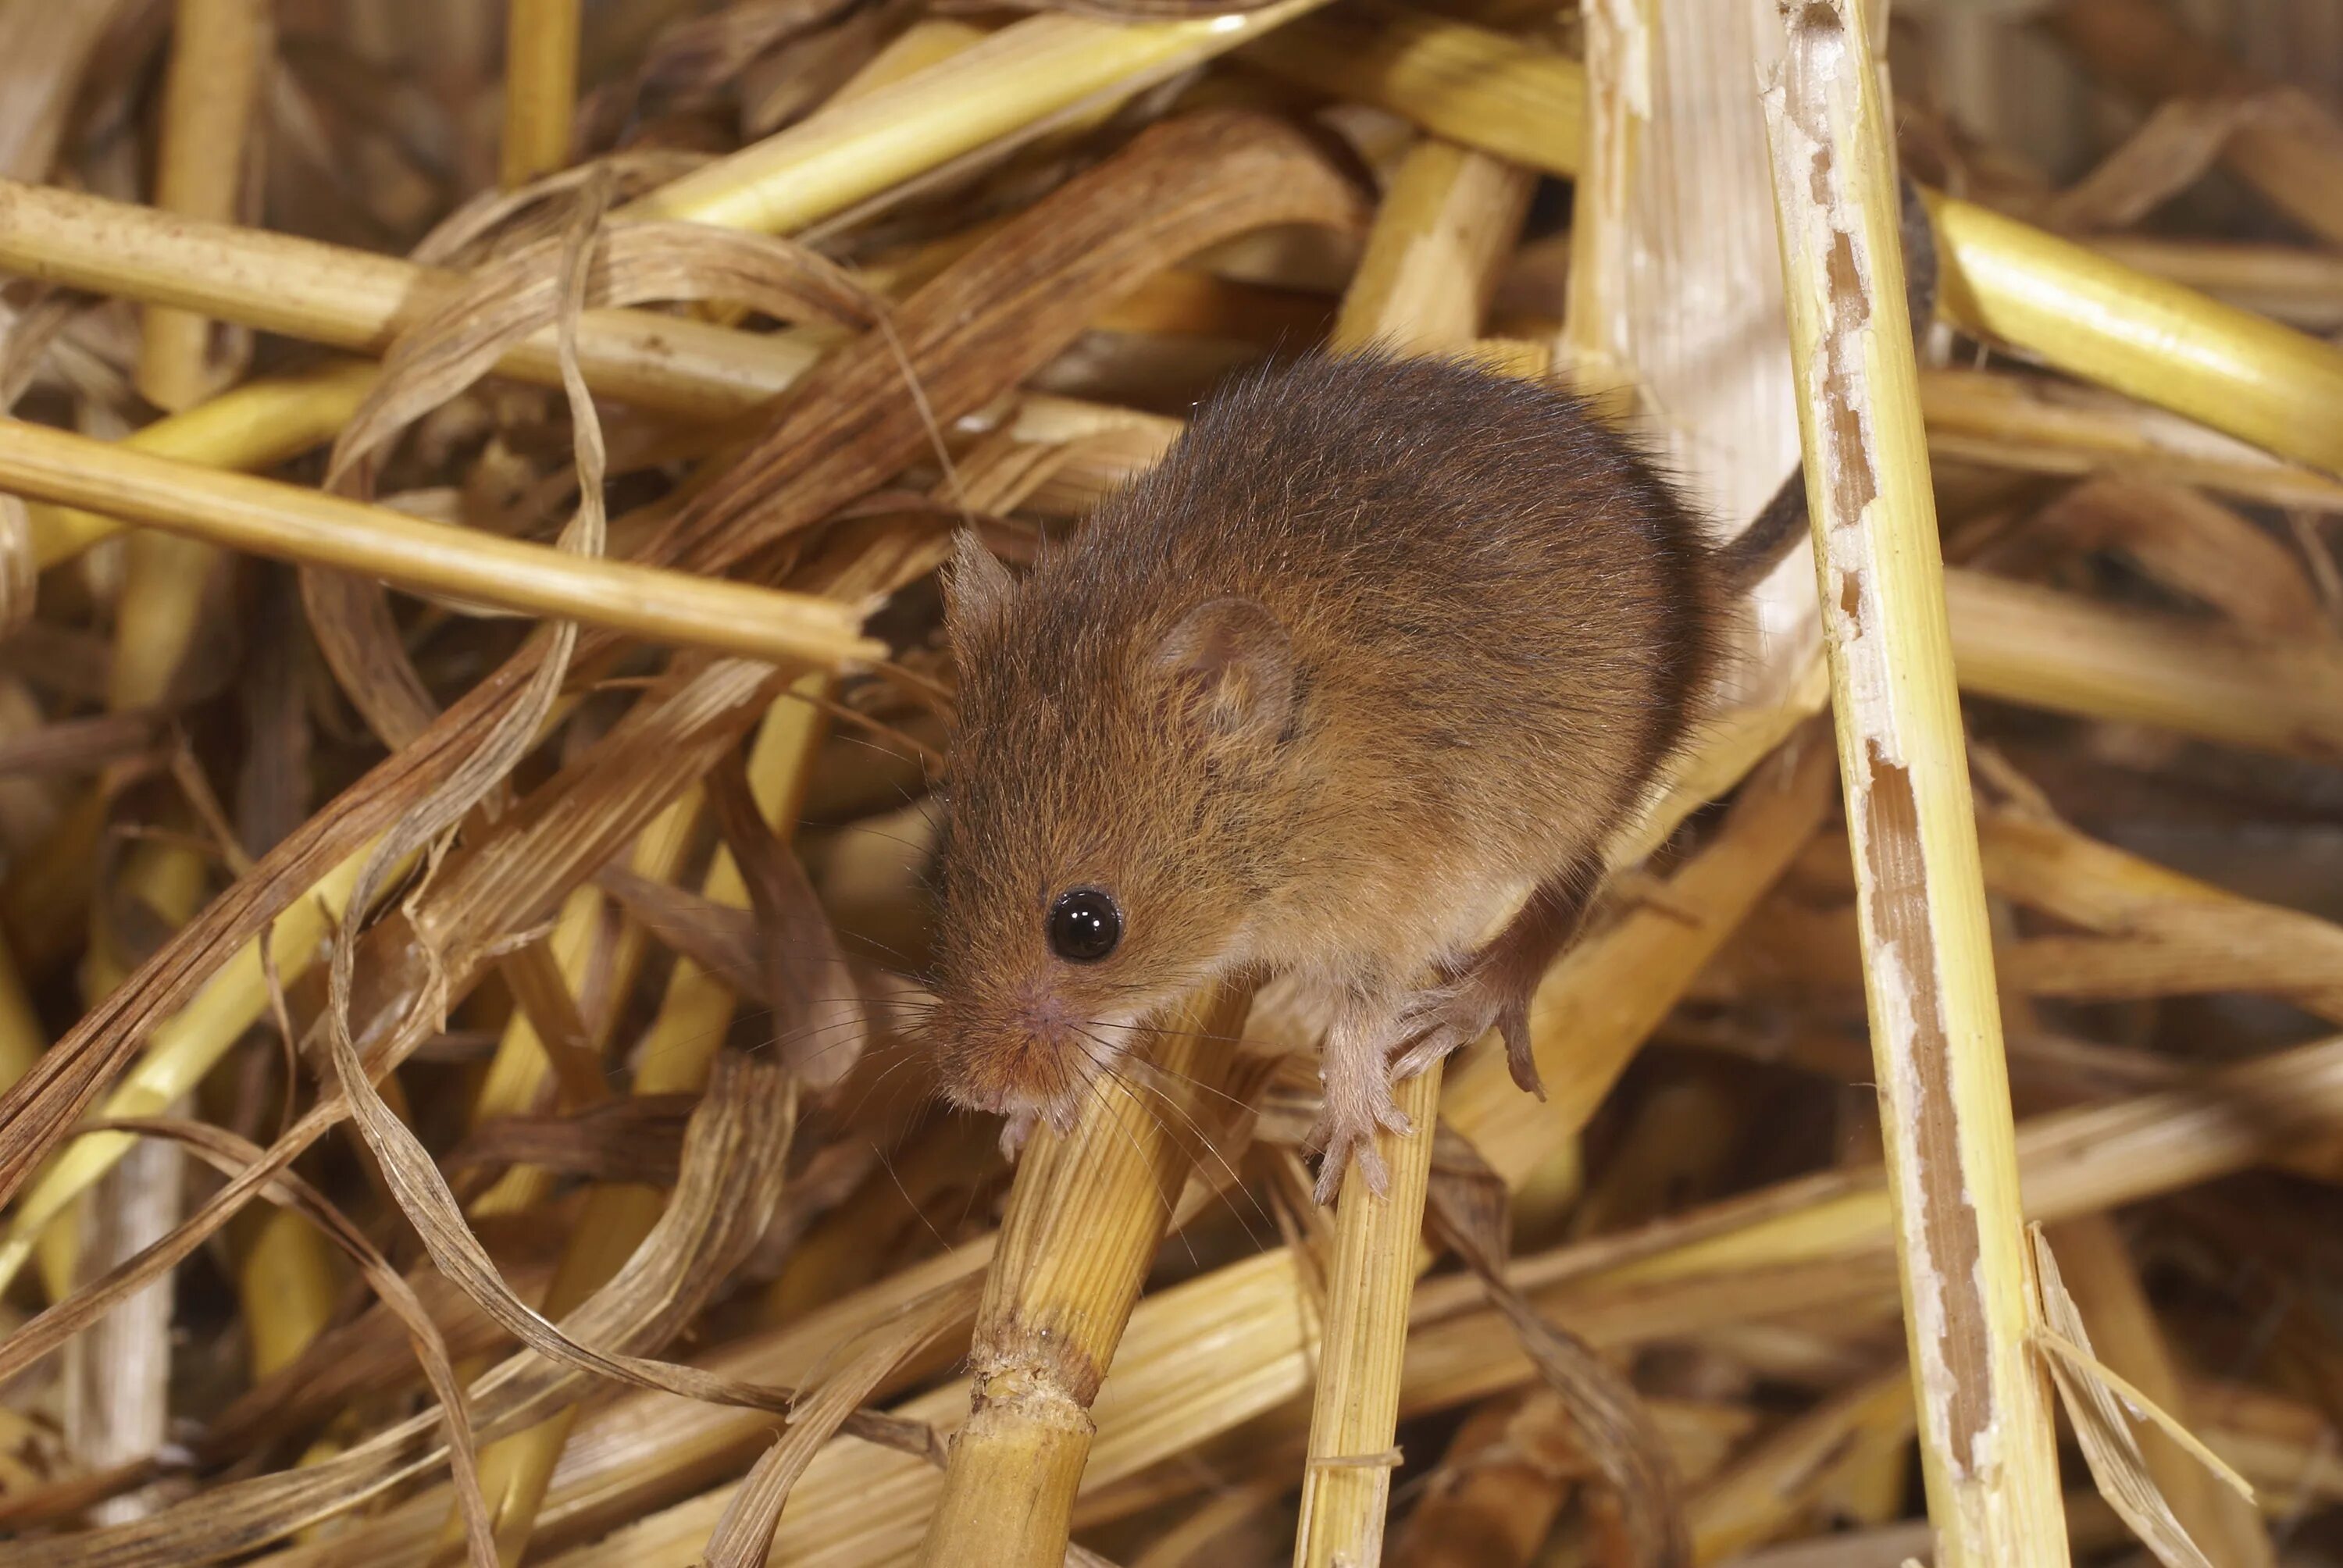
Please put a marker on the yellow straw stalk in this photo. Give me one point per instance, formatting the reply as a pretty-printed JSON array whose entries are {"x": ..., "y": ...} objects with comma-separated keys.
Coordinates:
[
  {"x": 1446, "y": 228},
  {"x": 1018, "y": 77},
  {"x": 1085, "y": 1218},
  {"x": 292, "y": 524},
  {"x": 541, "y": 87},
  {"x": 217, "y": 50}
]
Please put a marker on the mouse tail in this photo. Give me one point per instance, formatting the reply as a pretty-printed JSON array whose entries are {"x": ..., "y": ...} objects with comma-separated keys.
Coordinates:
[{"x": 1776, "y": 531}]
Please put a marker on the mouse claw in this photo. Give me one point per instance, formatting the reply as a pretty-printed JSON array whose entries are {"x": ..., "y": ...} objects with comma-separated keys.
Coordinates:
[
  {"x": 1521, "y": 1059},
  {"x": 1346, "y": 1150},
  {"x": 1348, "y": 1139},
  {"x": 1015, "y": 1132}
]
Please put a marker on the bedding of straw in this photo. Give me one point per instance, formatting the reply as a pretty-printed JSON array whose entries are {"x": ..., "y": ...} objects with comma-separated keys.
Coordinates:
[{"x": 473, "y": 721}]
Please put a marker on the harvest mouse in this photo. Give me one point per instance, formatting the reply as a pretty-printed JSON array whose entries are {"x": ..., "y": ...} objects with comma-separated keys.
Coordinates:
[{"x": 1381, "y": 651}]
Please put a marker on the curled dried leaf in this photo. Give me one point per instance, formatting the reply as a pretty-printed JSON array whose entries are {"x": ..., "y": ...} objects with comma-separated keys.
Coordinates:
[
  {"x": 638, "y": 1139},
  {"x": 1469, "y": 1206},
  {"x": 818, "y": 1017},
  {"x": 744, "y": 1536}
]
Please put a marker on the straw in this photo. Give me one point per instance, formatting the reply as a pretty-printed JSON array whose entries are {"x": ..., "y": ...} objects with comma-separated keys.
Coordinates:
[{"x": 1985, "y": 1438}]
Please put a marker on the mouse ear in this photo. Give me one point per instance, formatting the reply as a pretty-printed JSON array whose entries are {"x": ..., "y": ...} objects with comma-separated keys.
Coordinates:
[
  {"x": 976, "y": 586},
  {"x": 1231, "y": 668}
]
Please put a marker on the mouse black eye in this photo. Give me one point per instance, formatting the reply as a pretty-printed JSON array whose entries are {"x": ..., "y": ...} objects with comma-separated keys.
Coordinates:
[{"x": 1084, "y": 925}]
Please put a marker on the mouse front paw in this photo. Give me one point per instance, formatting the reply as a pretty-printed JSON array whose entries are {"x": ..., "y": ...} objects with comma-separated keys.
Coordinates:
[{"x": 1356, "y": 1108}]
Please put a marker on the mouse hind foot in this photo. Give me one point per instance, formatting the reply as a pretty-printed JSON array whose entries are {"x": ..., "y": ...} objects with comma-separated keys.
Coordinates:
[{"x": 1491, "y": 989}]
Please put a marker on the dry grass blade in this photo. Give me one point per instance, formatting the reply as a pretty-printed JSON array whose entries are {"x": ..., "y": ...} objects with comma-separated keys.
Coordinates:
[
  {"x": 550, "y": 283},
  {"x": 229, "y": 1154},
  {"x": 677, "y": 1058},
  {"x": 508, "y": 881},
  {"x": 2101, "y": 1428},
  {"x": 733, "y": 1170},
  {"x": 720, "y": 938},
  {"x": 819, "y": 1021},
  {"x": 1610, "y": 1428},
  {"x": 638, "y": 1140},
  {"x": 2107, "y": 1292},
  {"x": 744, "y": 1536},
  {"x": 1028, "y": 286},
  {"x": 2290, "y": 150}
]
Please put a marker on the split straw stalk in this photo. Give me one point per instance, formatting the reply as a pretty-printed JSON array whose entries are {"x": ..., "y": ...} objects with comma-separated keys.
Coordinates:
[{"x": 1988, "y": 1447}]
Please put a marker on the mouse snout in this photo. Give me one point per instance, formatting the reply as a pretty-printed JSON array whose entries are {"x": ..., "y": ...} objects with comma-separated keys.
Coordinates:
[{"x": 1025, "y": 1048}]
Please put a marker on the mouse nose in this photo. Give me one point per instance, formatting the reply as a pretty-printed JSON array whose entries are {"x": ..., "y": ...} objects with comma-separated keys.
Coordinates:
[{"x": 1041, "y": 1011}]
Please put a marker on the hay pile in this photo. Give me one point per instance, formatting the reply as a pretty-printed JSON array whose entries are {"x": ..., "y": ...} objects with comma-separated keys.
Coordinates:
[{"x": 471, "y": 696}]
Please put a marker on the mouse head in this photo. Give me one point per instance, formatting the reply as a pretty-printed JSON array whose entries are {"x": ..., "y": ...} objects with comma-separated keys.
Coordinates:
[{"x": 1122, "y": 778}]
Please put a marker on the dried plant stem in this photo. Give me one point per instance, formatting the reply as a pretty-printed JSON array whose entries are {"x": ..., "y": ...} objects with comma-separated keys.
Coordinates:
[
  {"x": 677, "y": 1055},
  {"x": 1362, "y": 1352},
  {"x": 1085, "y": 1217},
  {"x": 289, "y": 523},
  {"x": 540, "y": 88},
  {"x": 1986, "y": 1441},
  {"x": 217, "y": 49},
  {"x": 1446, "y": 226},
  {"x": 2033, "y": 645},
  {"x": 1457, "y": 80},
  {"x": 2090, "y": 316},
  {"x": 1023, "y": 74},
  {"x": 362, "y": 302},
  {"x": 2291, "y": 151},
  {"x": 256, "y": 426}
]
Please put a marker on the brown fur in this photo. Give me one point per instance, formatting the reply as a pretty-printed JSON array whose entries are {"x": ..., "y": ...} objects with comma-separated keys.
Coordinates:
[{"x": 1379, "y": 646}]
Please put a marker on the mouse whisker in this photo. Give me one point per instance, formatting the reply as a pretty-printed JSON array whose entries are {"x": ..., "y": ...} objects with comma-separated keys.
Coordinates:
[{"x": 1236, "y": 1181}]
